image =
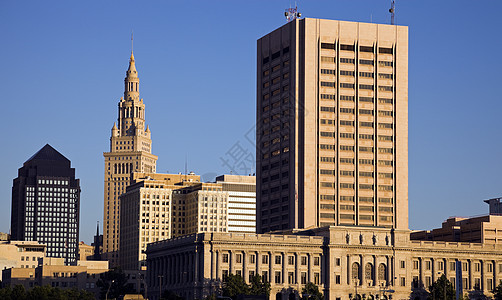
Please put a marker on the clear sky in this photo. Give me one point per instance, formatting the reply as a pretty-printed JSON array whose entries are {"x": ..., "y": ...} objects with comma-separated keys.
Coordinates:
[{"x": 63, "y": 65}]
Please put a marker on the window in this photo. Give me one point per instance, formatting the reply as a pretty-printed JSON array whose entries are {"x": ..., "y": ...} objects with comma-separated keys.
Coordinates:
[
  {"x": 366, "y": 49},
  {"x": 347, "y": 47},
  {"x": 403, "y": 281},
  {"x": 489, "y": 267},
  {"x": 385, "y": 50},
  {"x": 347, "y": 85},
  {"x": 277, "y": 259},
  {"x": 238, "y": 258},
  {"x": 303, "y": 278},
  {"x": 440, "y": 265},
  {"x": 327, "y": 59},
  {"x": 304, "y": 261},
  {"x": 291, "y": 277},
  {"x": 347, "y": 110},
  {"x": 327, "y": 109},
  {"x": 428, "y": 265},
  {"x": 264, "y": 276},
  {"x": 225, "y": 257},
  {"x": 277, "y": 277},
  {"x": 328, "y": 46},
  {"x": 316, "y": 261},
  {"x": 264, "y": 259},
  {"x": 327, "y": 83},
  {"x": 347, "y": 73},
  {"x": 452, "y": 266},
  {"x": 291, "y": 260},
  {"x": 477, "y": 267},
  {"x": 327, "y": 71},
  {"x": 251, "y": 275},
  {"x": 366, "y": 87},
  {"x": 327, "y": 96},
  {"x": 317, "y": 278},
  {"x": 252, "y": 258},
  {"x": 366, "y": 62},
  {"x": 402, "y": 264}
]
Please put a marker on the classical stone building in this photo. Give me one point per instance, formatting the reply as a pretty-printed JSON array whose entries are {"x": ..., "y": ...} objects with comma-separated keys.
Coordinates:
[
  {"x": 46, "y": 204},
  {"x": 20, "y": 254},
  {"x": 332, "y": 125},
  {"x": 130, "y": 151}
]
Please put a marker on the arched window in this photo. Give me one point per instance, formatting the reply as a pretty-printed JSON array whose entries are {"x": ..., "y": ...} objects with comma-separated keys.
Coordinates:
[
  {"x": 368, "y": 272},
  {"x": 382, "y": 272},
  {"x": 355, "y": 272}
]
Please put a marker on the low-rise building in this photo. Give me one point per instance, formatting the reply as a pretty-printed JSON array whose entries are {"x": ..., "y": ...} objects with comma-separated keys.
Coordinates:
[
  {"x": 345, "y": 262},
  {"x": 53, "y": 272},
  {"x": 85, "y": 252},
  {"x": 20, "y": 254}
]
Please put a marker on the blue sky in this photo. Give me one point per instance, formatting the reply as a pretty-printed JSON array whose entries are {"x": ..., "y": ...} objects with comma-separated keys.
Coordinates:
[{"x": 63, "y": 65}]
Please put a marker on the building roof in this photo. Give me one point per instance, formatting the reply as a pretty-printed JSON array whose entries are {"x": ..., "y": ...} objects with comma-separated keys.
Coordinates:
[{"x": 48, "y": 153}]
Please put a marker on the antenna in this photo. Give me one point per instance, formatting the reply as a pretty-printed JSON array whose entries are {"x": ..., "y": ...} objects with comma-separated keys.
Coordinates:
[
  {"x": 392, "y": 11},
  {"x": 132, "y": 41},
  {"x": 186, "y": 166},
  {"x": 292, "y": 14}
]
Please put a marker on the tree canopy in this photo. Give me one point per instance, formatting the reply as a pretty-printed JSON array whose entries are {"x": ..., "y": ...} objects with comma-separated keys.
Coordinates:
[
  {"x": 234, "y": 285},
  {"x": 116, "y": 281},
  {"x": 311, "y": 291},
  {"x": 44, "y": 293},
  {"x": 442, "y": 289},
  {"x": 497, "y": 292}
]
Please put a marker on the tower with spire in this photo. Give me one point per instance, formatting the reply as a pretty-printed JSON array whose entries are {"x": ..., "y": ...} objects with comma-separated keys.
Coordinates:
[{"x": 130, "y": 151}]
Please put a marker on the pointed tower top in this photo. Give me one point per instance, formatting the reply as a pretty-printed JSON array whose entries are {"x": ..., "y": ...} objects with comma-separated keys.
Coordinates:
[
  {"x": 97, "y": 230},
  {"x": 114, "y": 126},
  {"x": 147, "y": 128}
]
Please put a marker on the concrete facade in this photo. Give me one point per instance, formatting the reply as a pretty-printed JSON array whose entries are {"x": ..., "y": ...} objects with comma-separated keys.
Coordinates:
[
  {"x": 130, "y": 151},
  {"x": 342, "y": 261},
  {"x": 20, "y": 254},
  {"x": 332, "y": 125}
]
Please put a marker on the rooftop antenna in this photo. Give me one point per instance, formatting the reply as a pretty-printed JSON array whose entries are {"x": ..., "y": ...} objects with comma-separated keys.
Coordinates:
[
  {"x": 292, "y": 13},
  {"x": 392, "y": 11},
  {"x": 132, "y": 41},
  {"x": 186, "y": 166}
]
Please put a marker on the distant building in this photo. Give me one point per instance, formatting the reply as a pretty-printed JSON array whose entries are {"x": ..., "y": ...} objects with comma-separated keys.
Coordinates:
[
  {"x": 46, "y": 204},
  {"x": 4, "y": 236},
  {"x": 97, "y": 245},
  {"x": 241, "y": 202},
  {"x": 20, "y": 254},
  {"x": 162, "y": 206},
  {"x": 85, "y": 252},
  {"x": 495, "y": 206},
  {"x": 53, "y": 272},
  {"x": 130, "y": 151}
]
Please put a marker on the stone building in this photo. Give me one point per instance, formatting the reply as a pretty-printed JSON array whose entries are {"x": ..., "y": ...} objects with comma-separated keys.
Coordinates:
[
  {"x": 20, "y": 254},
  {"x": 130, "y": 151}
]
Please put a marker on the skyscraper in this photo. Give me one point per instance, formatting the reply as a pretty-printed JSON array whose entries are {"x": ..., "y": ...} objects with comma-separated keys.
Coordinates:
[
  {"x": 46, "y": 204},
  {"x": 130, "y": 151},
  {"x": 332, "y": 125}
]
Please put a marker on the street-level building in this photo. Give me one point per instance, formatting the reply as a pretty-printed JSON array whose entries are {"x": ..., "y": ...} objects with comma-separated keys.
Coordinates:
[
  {"x": 332, "y": 125},
  {"x": 20, "y": 254},
  {"x": 345, "y": 262},
  {"x": 46, "y": 204}
]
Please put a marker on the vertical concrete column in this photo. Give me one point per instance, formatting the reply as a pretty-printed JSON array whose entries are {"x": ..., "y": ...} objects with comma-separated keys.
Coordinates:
[
  {"x": 483, "y": 276},
  {"x": 375, "y": 271},
  {"x": 349, "y": 271},
  {"x": 218, "y": 265},
  {"x": 270, "y": 267},
  {"x": 495, "y": 272},
  {"x": 213, "y": 264},
  {"x": 435, "y": 275},
  {"x": 232, "y": 262},
  {"x": 258, "y": 263},
  {"x": 244, "y": 266}
]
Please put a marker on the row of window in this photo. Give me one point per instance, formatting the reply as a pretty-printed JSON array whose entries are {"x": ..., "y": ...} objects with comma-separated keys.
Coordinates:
[
  {"x": 367, "y": 49},
  {"x": 352, "y": 98},
  {"x": 265, "y": 259}
]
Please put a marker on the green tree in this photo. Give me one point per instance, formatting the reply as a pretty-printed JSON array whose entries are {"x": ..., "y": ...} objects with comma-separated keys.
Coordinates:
[
  {"x": 259, "y": 287},
  {"x": 442, "y": 289},
  {"x": 116, "y": 282},
  {"x": 234, "y": 285},
  {"x": 6, "y": 293},
  {"x": 497, "y": 292},
  {"x": 312, "y": 292},
  {"x": 18, "y": 292}
]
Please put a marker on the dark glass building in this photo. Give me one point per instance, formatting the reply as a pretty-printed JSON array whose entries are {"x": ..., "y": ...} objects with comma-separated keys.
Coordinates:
[{"x": 46, "y": 204}]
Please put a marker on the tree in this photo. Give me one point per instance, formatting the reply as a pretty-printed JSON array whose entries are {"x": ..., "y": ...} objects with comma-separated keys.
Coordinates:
[
  {"x": 234, "y": 285},
  {"x": 168, "y": 295},
  {"x": 115, "y": 283},
  {"x": 312, "y": 292},
  {"x": 497, "y": 292},
  {"x": 259, "y": 287},
  {"x": 442, "y": 289},
  {"x": 18, "y": 292}
]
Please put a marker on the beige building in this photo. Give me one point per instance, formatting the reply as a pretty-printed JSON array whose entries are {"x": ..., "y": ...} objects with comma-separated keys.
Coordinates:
[
  {"x": 332, "y": 125},
  {"x": 54, "y": 273},
  {"x": 85, "y": 252},
  {"x": 162, "y": 206},
  {"x": 20, "y": 254},
  {"x": 130, "y": 151},
  {"x": 372, "y": 263}
]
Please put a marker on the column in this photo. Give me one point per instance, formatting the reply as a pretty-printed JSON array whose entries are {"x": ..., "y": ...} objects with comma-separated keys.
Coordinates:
[
  {"x": 218, "y": 265},
  {"x": 244, "y": 266},
  {"x": 213, "y": 264},
  {"x": 297, "y": 267},
  {"x": 232, "y": 262},
  {"x": 284, "y": 271},
  {"x": 196, "y": 266},
  {"x": 258, "y": 263},
  {"x": 469, "y": 270}
]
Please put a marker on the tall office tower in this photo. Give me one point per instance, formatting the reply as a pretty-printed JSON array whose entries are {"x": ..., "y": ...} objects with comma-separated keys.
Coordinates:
[
  {"x": 46, "y": 204},
  {"x": 130, "y": 151},
  {"x": 332, "y": 133}
]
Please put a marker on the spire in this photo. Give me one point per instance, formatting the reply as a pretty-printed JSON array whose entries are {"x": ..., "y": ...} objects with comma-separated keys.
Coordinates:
[
  {"x": 97, "y": 230},
  {"x": 131, "y": 91}
]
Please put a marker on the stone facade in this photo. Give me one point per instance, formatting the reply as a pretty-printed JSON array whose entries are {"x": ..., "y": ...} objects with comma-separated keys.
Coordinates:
[
  {"x": 130, "y": 151},
  {"x": 343, "y": 261}
]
